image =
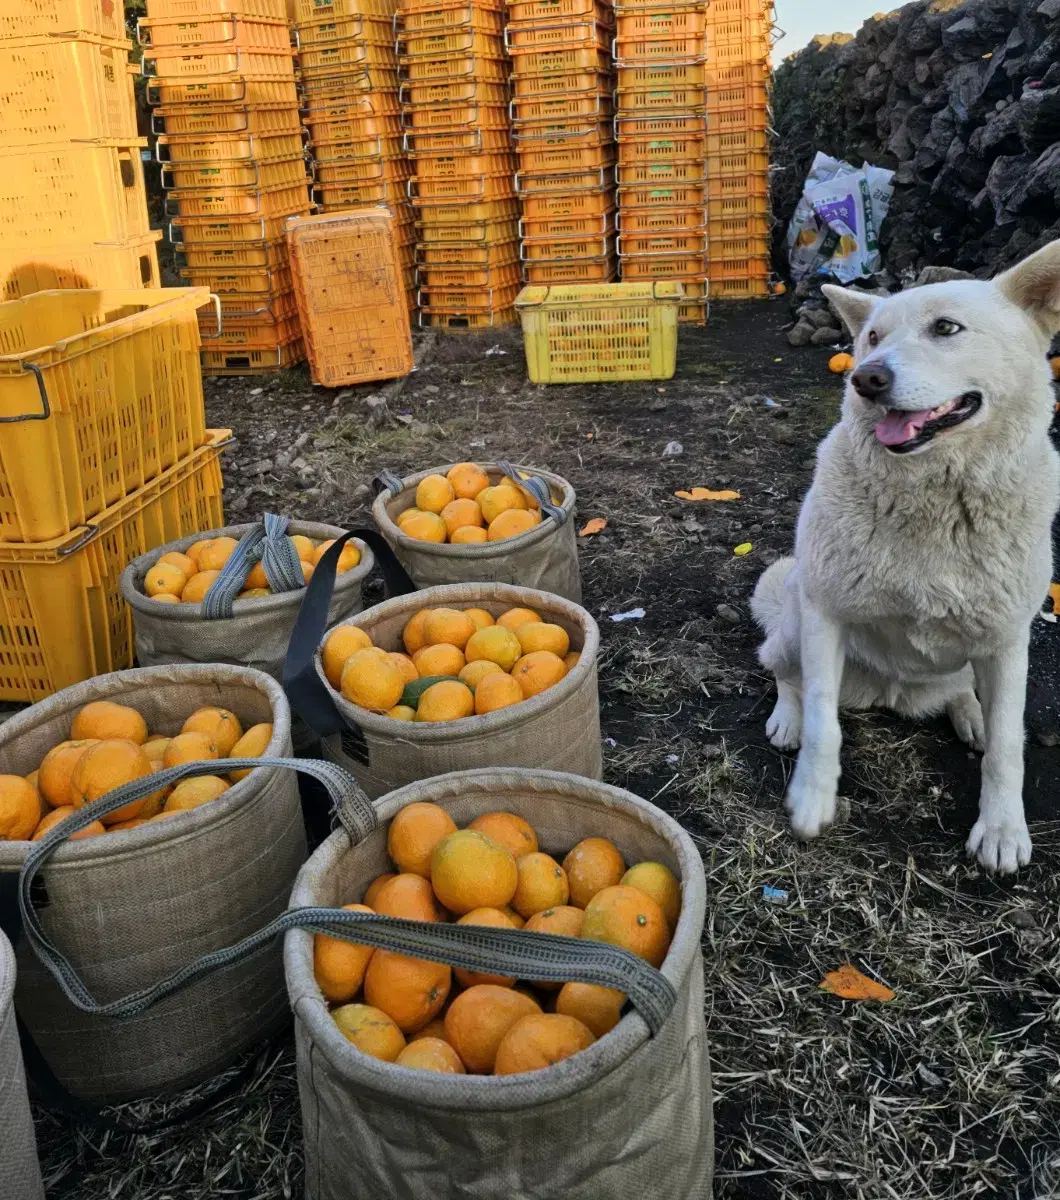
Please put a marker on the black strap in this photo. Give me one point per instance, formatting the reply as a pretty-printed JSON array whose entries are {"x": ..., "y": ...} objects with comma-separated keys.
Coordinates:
[{"x": 309, "y": 698}]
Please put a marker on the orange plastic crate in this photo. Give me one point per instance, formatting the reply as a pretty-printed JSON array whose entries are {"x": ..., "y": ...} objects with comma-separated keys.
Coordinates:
[
  {"x": 634, "y": 52},
  {"x": 475, "y": 255},
  {"x": 562, "y": 250},
  {"x": 727, "y": 120},
  {"x": 591, "y": 180},
  {"x": 195, "y": 122},
  {"x": 560, "y": 83},
  {"x": 662, "y": 245},
  {"x": 365, "y": 193},
  {"x": 740, "y": 258},
  {"x": 660, "y": 125},
  {"x": 351, "y": 297},
  {"x": 224, "y": 256},
  {"x": 369, "y": 170},
  {"x": 750, "y": 31},
  {"x": 171, "y": 69},
  {"x": 651, "y": 77},
  {"x": 263, "y": 282},
  {"x": 47, "y": 18},
  {"x": 535, "y": 37},
  {"x": 741, "y": 85},
  {"x": 563, "y": 227},
  {"x": 551, "y": 12},
  {"x": 660, "y": 24},
  {"x": 454, "y": 69},
  {"x": 727, "y": 10},
  {"x": 663, "y": 173},
  {"x": 253, "y": 306},
  {"x": 241, "y": 202},
  {"x": 658, "y": 220},
  {"x": 740, "y": 203},
  {"x": 505, "y": 209},
  {"x": 459, "y": 166},
  {"x": 100, "y": 265},
  {"x": 563, "y": 62},
  {"x": 201, "y": 231},
  {"x": 450, "y": 17},
  {"x": 537, "y": 158},
  {"x": 256, "y": 333},
  {"x": 450, "y": 117},
  {"x": 733, "y": 54},
  {"x": 185, "y": 181},
  {"x": 253, "y": 362},
  {"x": 362, "y": 28},
  {"x": 463, "y": 40},
  {"x": 315, "y": 12},
  {"x": 357, "y": 150},
  {"x": 568, "y": 134},
  {"x": 469, "y": 189},
  {"x": 663, "y": 195},
  {"x": 492, "y": 278},
  {"x": 419, "y": 100},
  {"x": 593, "y": 105},
  {"x": 328, "y": 131},
  {"x": 604, "y": 270},
  {"x": 586, "y": 203},
  {"x": 237, "y": 89},
  {"x": 740, "y": 289},
  {"x": 197, "y": 9},
  {"x": 220, "y": 32},
  {"x": 675, "y": 148},
  {"x": 662, "y": 99},
  {"x": 738, "y": 168},
  {"x": 465, "y": 321},
  {"x": 467, "y": 300},
  {"x": 446, "y": 141},
  {"x": 221, "y": 148},
  {"x": 332, "y": 59},
  {"x": 691, "y": 267}
]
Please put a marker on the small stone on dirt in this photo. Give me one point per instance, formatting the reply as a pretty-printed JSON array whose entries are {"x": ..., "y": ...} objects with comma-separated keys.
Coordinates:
[
  {"x": 728, "y": 613},
  {"x": 802, "y": 334},
  {"x": 673, "y": 450},
  {"x": 827, "y": 336}
]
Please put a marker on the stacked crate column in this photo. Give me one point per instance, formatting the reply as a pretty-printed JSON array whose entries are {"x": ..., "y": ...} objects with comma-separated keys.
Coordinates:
[
  {"x": 562, "y": 113},
  {"x": 739, "y": 41},
  {"x": 661, "y": 127},
  {"x": 348, "y": 75},
  {"x": 221, "y": 75},
  {"x": 454, "y": 100}
]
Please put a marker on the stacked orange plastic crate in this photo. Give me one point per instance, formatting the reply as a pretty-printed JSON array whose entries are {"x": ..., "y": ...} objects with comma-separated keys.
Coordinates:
[
  {"x": 348, "y": 74},
  {"x": 454, "y": 99},
  {"x": 738, "y": 50},
  {"x": 562, "y": 115},
  {"x": 73, "y": 209},
  {"x": 661, "y": 123},
  {"x": 221, "y": 73}
]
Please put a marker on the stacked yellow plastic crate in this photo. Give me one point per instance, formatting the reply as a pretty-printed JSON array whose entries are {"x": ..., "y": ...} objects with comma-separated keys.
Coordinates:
[
  {"x": 661, "y": 124},
  {"x": 454, "y": 99},
  {"x": 221, "y": 73},
  {"x": 562, "y": 115},
  {"x": 348, "y": 73},
  {"x": 73, "y": 210},
  {"x": 738, "y": 50}
]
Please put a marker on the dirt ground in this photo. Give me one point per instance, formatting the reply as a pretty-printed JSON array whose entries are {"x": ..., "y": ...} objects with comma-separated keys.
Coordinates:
[{"x": 950, "y": 1091}]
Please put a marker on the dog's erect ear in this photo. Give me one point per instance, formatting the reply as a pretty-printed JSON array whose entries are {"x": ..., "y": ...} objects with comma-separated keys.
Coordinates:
[
  {"x": 1034, "y": 285},
  {"x": 853, "y": 306}
]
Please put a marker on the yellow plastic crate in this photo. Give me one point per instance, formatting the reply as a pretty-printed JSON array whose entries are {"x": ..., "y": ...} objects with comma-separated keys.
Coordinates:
[
  {"x": 120, "y": 265},
  {"x": 99, "y": 393},
  {"x": 62, "y": 616},
  {"x": 46, "y": 18},
  {"x": 600, "y": 333}
]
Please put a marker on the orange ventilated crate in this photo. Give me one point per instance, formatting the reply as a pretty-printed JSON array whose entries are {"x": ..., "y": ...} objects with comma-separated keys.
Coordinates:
[
  {"x": 591, "y": 203},
  {"x": 100, "y": 265},
  {"x": 240, "y": 90},
  {"x": 220, "y": 32},
  {"x": 225, "y": 256},
  {"x": 535, "y": 37},
  {"x": 493, "y": 278},
  {"x": 463, "y": 40},
  {"x": 48, "y": 18},
  {"x": 452, "y": 17},
  {"x": 483, "y": 253},
  {"x": 357, "y": 150},
  {"x": 658, "y": 220},
  {"x": 466, "y": 321},
  {"x": 660, "y": 125},
  {"x": 328, "y": 131},
  {"x": 453, "y": 69},
  {"x": 750, "y": 31},
  {"x": 470, "y": 189},
  {"x": 661, "y": 24},
  {"x": 527, "y": 184},
  {"x": 169, "y": 68},
  {"x": 191, "y": 231},
  {"x": 331, "y": 59},
  {"x": 597, "y": 225},
  {"x": 198, "y": 9},
  {"x": 740, "y": 203},
  {"x": 558, "y": 249},
  {"x": 230, "y": 147},
  {"x": 377, "y": 30},
  {"x": 254, "y": 306},
  {"x": 741, "y": 86},
  {"x": 663, "y": 195},
  {"x": 563, "y": 62},
  {"x": 561, "y": 156},
  {"x": 240, "y": 202},
  {"x": 351, "y": 297},
  {"x": 371, "y": 171},
  {"x": 670, "y": 149},
  {"x": 523, "y": 12},
  {"x": 316, "y": 11},
  {"x": 466, "y": 301},
  {"x": 430, "y": 169},
  {"x": 257, "y": 282},
  {"x": 740, "y": 289},
  {"x": 663, "y": 173},
  {"x": 186, "y": 180},
  {"x": 258, "y": 332},
  {"x": 689, "y": 267},
  {"x": 452, "y": 115},
  {"x": 662, "y": 99},
  {"x": 195, "y": 121},
  {"x": 503, "y": 209},
  {"x": 474, "y": 141},
  {"x": 421, "y": 98},
  {"x": 571, "y": 270},
  {"x": 366, "y": 193},
  {"x": 242, "y": 361},
  {"x": 662, "y": 244},
  {"x": 527, "y": 114}
]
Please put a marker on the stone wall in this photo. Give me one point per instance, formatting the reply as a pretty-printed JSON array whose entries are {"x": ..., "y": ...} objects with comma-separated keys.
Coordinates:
[{"x": 962, "y": 101}]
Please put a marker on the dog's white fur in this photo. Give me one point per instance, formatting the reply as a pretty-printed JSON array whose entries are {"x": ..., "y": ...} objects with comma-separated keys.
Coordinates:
[{"x": 916, "y": 577}]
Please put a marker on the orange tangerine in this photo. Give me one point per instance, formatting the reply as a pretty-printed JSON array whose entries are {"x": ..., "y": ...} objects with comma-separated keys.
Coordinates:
[
  {"x": 155, "y": 749},
  {"x": 191, "y": 793},
  {"x": 220, "y": 726},
  {"x": 194, "y": 551},
  {"x": 564, "y": 920},
  {"x": 256, "y": 578},
  {"x": 189, "y": 747},
  {"x": 412, "y": 636},
  {"x": 468, "y": 535},
  {"x": 540, "y": 1041},
  {"x": 371, "y": 681},
  {"x": 104, "y": 719},
  {"x": 349, "y": 556},
  {"x": 470, "y": 870},
  {"x": 447, "y": 700},
  {"x": 495, "y": 692},
  {"x": 474, "y": 673},
  {"x": 197, "y": 586},
  {"x": 401, "y": 712},
  {"x": 371, "y": 1031},
  {"x": 307, "y": 570},
  {"x": 165, "y": 598},
  {"x": 480, "y": 616},
  {"x": 495, "y": 500},
  {"x": 253, "y": 744},
  {"x": 479, "y": 1018},
  {"x": 413, "y": 834},
  {"x": 496, "y": 644},
  {"x": 216, "y": 554},
  {"x": 408, "y": 896},
  {"x": 542, "y": 635},
  {"x": 105, "y": 766},
  {"x": 447, "y": 626},
  {"x": 20, "y": 809},
  {"x": 411, "y": 991},
  {"x": 593, "y": 864},
  {"x": 468, "y": 479},
  {"x": 425, "y": 527},
  {"x": 459, "y": 514},
  {"x": 515, "y": 617},
  {"x": 375, "y": 887},
  {"x": 164, "y": 579},
  {"x": 405, "y": 665},
  {"x": 430, "y": 1054},
  {"x": 539, "y": 671},
  {"x": 340, "y": 643},
  {"x": 570, "y": 661},
  {"x": 303, "y": 547},
  {"x": 494, "y": 918},
  {"x": 338, "y": 965},
  {"x": 433, "y": 493},
  {"x": 659, "y": 882},
  {"x": 542, "y": 884},
  {"x": 514, "y": 833},
  {"x": 626, "y": 917},
  {"x": 598, "y": 1008},
  {"x": 56, "y": 768},
  {"x": 511, "y": 523},
  {"x": 92, "y": 829},
  {"x": 440, "y": 659}
]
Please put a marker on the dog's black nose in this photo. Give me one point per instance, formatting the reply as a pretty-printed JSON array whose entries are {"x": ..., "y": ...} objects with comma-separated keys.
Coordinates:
[{"x": 873, "y": 380}]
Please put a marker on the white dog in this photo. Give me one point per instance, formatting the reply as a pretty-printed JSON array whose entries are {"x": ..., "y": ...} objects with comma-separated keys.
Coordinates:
[{"x": 923, "y": 549}]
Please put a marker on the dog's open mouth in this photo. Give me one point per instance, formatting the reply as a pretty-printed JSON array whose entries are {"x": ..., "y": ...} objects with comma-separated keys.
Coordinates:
[{"x": 902, "y": 431}]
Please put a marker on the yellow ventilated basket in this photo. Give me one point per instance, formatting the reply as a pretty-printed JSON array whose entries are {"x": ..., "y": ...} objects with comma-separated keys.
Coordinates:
[{"x": 600, "y": 333}]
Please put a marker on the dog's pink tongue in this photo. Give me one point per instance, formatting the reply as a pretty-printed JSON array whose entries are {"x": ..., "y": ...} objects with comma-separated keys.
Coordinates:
[{"x": 897, "y": 428}]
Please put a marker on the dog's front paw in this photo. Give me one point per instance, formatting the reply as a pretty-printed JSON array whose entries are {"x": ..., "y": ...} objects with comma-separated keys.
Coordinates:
[
  {"x": 1002, "y": 845},
  {"x": 784, "y": 727},
  {"x": 966, "y": 716},
  {"x": 811, "y": 806}
]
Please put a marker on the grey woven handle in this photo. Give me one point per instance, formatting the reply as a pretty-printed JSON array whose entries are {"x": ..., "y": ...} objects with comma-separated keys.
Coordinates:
[
  {"x": 266, "y": 543},
  {"x": 521, "y": 954}
]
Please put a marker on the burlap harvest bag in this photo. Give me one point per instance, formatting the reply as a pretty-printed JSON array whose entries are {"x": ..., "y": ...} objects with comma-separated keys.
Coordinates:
[
  {"x": 546, "y": 558},
  {"x": 629, "y": 1117},
  {"x": 556, "y": 730},
  {"x": 249, "y": 633},
  {"x": 19, "y": 1169},
  {"x": 130, "y": 907}
]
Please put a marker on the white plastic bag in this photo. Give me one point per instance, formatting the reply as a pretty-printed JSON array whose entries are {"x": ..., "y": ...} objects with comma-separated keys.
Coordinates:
[{"x": 836, "y": 226}]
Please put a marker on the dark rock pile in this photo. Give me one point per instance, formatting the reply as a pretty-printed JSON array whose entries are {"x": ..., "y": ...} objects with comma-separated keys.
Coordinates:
[{"x": 962, "y": 101}]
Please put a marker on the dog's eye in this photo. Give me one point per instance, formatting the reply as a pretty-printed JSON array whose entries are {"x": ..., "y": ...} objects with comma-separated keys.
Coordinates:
[
  {"x": 944, "y": 328},
  {"x": 874, "y": 338}
]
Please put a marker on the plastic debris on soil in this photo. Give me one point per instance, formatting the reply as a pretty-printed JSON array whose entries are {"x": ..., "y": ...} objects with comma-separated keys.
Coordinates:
[{"x": 850, "y": 984}]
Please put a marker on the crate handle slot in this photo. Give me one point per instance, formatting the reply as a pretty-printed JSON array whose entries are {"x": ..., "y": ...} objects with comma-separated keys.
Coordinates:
[
  {"x": 46, "y": 408},
  {"x": 216, "y": 301},
  {"x": 90, "y": 532}
]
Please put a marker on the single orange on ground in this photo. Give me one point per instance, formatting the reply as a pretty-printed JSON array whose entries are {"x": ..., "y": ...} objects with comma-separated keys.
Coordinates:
[
  {"x": 498, "y": 499},
  {"x": 468, "y": 479},
  {"x": 425, "y": 527},
  {"x": 217, "y": 553},
  {"x": 192, "y": 793},
  {"x": 408, "y": 896},
  {"x": 468, "y": 535},
  {"x": 496, "y": 692},
  {"x": 413, "y": 834},
  {"x": 593, "y": 864},
  {"x": 493, "y": 918},
  {"x": 511, "y": 523},
  {"x": 56, "y": 768},
  {"x": 474, "y": 673},
  {"x": 371, "y": 681},
  {"x": 440, "y": 659},
  {"x": 430, "y": 1054},
  {"x": 515, "y": 617},
  {"x": 105, "y": 720},
  {"x": 197, "y": 586},
  {"x": 540, "y": 1041},
  {"x": 375, "y": 887},
  {"x": 340, "y": 643},
  {"x": 479, "y": 1018},
  {"x": 543, "y": 635},
  {"x": 189, "y": 747},
  {"x": 164, "y": 579},
  {"x": 659, "y": 882},
  {"x": 19, "y": 809},
  {"x": 539, "y": 671},
  {"x": 106, "y": 766},
  {"x": 461, "y": 514},
  {"x": 412, "y": 635},
  {"x": 303, "y": 546},
  {"x": 220, "y": 726},
  {"x": 92, "y": 829},
  {"x": 626, "y": 917},
  {"x": 338, "y": 965},
  {"x": 513, "y": 832},
  {"x": 542, "y": 884},
  {"x": 433, "y": 493},
  {"x": 480, "y": 616},
  {"x": 370, "y": 1030},
  {"x": 409, "y": 990},
  {"x": 494, "y": 644},
  {"x": 598, "y": 1008},
  {"x": 405, "y": 665},
  {"x": 470, "y": 870},
  {"x": 252, "y": 744},
  {"x": 181, "y": 561},
  {"x": 447, "y": 700},
  {"x": 447, "y": 626},
  {"x": 349, "y": 556}
]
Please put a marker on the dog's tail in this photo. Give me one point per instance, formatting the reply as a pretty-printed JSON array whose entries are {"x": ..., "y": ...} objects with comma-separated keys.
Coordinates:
[{"x": 769, "y": 600}]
